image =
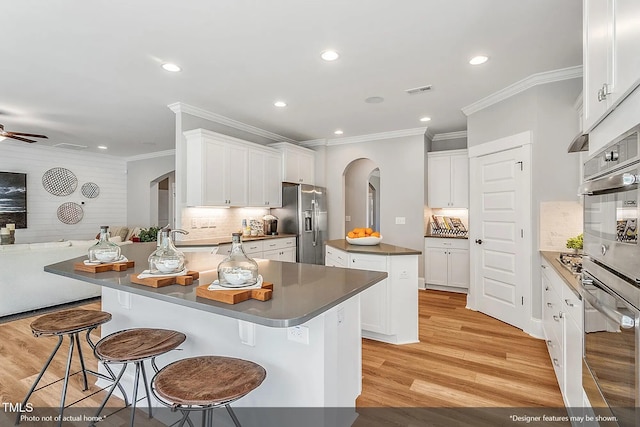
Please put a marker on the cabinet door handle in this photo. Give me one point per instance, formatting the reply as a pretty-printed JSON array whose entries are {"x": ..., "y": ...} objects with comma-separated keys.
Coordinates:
[
  {"x": 569, "y": 303},
  {"x": 549, "y": 343},
  {"x": 549, "y": 305},
  {"x": 543, "y": 266},
  {"x": 556, "y": 318},
  {"x": 555, "y": 362},
  {"x": 479, "y": 241}
]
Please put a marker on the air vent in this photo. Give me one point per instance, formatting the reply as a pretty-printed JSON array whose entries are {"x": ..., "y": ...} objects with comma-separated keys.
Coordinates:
[
  {"x": 70, "y": 146},
  {"x": 418, "y": 90}
]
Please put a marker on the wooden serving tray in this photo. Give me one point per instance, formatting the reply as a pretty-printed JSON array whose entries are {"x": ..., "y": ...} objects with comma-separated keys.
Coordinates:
[
  {"x": 235, "y": 296},
  {"x": 101, "y": 268},
  {"x": 159, "y": 282}
]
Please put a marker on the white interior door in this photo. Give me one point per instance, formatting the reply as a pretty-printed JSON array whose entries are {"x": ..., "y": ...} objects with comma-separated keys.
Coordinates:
[{"x": 500, "y": 245}]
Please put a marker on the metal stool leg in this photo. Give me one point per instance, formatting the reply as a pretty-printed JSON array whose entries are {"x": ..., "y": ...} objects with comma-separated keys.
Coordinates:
[
  {"x": 185, "y": 417},
  {"x": 146, "y": 387},
  {"x": 232, "y": 415},
  {"x": 135, "y": 393},
  {"x": 84, "y": 370},
  {"x": 66, "y": 378},
  {"x": 44, "y": 368},
  {"x": 113, "y": 387}
]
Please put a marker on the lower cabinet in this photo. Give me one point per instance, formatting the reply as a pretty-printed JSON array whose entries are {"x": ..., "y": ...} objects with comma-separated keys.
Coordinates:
[
  {"x": 562, "y": 324},
  {"x": 446, "y": 262},
  {"x": 388, "y": 309},
  {"x": 279, "y": 249}
]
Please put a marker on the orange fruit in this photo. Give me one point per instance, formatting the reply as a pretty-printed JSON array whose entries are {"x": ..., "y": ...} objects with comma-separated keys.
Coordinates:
[
  {"x": 361, "y": 234},
  {"x": 358, "y": 230},
  {"x": 368, "y": 231},
  {"x": 375, "y": 234},
  {"x": 351, "y": 235}
]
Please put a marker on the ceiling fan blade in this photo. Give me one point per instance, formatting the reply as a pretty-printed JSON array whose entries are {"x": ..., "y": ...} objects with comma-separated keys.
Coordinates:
[
  {"x": 19, "y": 139},
  {"x": 29, "y": 134}
]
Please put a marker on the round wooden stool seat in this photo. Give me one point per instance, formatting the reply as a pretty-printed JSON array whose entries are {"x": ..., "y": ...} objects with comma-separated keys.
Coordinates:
[
  {"x": 207, "y": 380},
  {"x": 67, "y": 322},
  {"x": 137, "y": 344}
]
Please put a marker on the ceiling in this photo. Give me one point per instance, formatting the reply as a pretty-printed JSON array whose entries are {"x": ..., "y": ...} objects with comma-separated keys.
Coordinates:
[{"x": 89, "y": 73}]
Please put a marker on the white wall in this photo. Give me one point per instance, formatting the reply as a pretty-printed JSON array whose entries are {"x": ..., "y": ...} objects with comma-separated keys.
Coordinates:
[
  {"x": 401, "y": 187},
  {"x": 109, "y": 208},
  {"x": 139, "y": 199},
  {"x": 548, "y": 111}
]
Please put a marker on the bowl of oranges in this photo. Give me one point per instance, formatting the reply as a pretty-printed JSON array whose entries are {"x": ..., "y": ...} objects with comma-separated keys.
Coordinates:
[{"x": 363, "y": 236}]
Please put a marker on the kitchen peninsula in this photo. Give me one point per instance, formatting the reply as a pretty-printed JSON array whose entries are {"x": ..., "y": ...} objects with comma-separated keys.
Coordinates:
[{"x": 307, "y": 336}]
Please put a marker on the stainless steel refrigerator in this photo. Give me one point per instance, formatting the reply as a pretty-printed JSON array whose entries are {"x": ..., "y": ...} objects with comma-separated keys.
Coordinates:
[{"x": 304, "y": 213}]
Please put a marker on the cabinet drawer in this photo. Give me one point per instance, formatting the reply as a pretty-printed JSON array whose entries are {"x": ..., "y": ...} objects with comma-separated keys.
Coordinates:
[
  {"x": 572, "y": 305},
  {"x": 443, "y": 242},
  {"x": 287, "y": 242},
  {"x": 335, "y": 258},
  {"x": 252, "y": 247}
]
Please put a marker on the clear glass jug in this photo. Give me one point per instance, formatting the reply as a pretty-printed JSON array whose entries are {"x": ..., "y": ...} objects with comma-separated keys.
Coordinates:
[
  {"x": 166, "y": 259},
  {"x": 104, "y": 251},
  {"x": 237, "y": 270}
]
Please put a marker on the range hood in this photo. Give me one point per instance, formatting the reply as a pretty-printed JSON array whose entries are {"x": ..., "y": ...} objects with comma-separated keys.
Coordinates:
[{"x": 579, "y": 143}]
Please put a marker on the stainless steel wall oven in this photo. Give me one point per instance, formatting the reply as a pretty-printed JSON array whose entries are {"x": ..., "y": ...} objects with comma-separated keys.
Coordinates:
[{"x": 611, "y": 280}]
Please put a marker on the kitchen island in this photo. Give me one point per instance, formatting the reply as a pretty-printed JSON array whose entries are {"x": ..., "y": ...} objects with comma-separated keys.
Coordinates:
[{"x": 307, "y": 336}]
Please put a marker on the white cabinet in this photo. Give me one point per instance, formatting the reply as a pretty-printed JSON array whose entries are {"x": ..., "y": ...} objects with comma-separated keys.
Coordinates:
[
  {"x": 388, "y": 309},
  {"x": 611, "y": 60},
  {"x": 265, "y": 178},
  {"x": 446, "y": 262},
  {"x": 562, "y": 324},
  {"x": 298, "y": 163},
  {"x": 448, "y": 179},
  {"x": 374, "y": 307},
  {"x": 226, "y": 171},
  {"x": 277, "y": 249}
]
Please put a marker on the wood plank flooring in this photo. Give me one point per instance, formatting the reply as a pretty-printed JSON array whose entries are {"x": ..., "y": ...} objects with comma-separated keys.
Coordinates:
[{"x": 463, "y": 359}]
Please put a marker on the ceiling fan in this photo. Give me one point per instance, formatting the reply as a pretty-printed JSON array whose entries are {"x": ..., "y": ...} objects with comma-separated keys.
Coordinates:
[{"x": 18, "y": 135}]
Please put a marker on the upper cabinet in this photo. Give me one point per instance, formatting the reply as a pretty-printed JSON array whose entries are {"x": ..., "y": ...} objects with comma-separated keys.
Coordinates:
[
  {"x": 448, "y": 179},
  {"x": 226, "y": 171},
  {"x": 298, "y": 163},
  {"x": 611, "y": 60}
]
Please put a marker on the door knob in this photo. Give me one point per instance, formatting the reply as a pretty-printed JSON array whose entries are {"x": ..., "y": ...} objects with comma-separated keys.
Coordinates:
[{"x": 479, "y": 241}]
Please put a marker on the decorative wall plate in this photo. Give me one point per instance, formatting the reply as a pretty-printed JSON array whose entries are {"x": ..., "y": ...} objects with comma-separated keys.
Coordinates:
[
  {"x": 59, "y": 181},
  {"x": 90, "y": 190},
  {"x": 70, "y": 213}
]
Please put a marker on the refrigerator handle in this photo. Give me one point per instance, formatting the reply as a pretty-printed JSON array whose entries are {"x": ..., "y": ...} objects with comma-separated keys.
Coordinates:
[{"x": 315, "y": 222}]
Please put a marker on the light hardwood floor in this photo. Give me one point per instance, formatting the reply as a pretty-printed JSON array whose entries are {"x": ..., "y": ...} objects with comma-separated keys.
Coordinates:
[{"x": 464, "y": 359}]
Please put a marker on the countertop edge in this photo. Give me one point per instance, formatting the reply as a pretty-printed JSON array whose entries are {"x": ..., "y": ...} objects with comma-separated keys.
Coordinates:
[
  {"x": 342, "y": 245},
  {"x": 568, "y": 278},
  {"x": 217, "y": 241}
]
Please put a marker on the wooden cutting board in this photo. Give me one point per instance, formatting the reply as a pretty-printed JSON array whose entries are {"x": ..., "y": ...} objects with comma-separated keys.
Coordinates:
[
  {"x": 235, "y": 296},
  {"x": 159, "y": 282},
  {"x": 101, "y": 268}
]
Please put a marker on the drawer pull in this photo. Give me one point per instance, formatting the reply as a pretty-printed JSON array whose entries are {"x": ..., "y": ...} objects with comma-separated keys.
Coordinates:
[
  {"x": 556, "y": 318},
  {"x": 569, "y": 303},
  {"x": 549, "y": 305},
  {"x": 546, "y": 288},
  {"x": 549, "y": 343},
  {"x": 543, "y": 266},
  {"x": 555, "y": 362}
]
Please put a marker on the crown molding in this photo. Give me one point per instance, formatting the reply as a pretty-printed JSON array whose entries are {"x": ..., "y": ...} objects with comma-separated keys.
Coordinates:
[
  {"x": 430, "y": 135},
  {"x": 522, "y": 85},
  {"x": 314, "y": 143},
  {"x": 377, "y": 136},
  {"x": 180, "y": 107},
  {"x": 145, "y": 156},
  {"x": 450, "y": 135}
]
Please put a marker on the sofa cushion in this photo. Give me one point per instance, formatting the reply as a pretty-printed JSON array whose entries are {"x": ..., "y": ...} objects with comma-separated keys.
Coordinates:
[
  {"x": 49, "y": 245},
  {"x": 18, "y": 247}
]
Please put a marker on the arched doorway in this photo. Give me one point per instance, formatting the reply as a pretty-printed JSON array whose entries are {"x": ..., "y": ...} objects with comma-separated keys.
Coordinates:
[
  {"x": 162, "y": 199},
  {"x": 362, "y": 195}
]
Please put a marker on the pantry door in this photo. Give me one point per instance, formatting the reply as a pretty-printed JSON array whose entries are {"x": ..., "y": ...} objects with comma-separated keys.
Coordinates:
[{"x": 500, "y": 220}]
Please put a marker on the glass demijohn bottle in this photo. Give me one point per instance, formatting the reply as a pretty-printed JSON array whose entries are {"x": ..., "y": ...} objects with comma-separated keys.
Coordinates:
[
  {"x": 166, "y": 259},
  {"x": 104, "y": 251},
  {"x": 237, "y": 269}
]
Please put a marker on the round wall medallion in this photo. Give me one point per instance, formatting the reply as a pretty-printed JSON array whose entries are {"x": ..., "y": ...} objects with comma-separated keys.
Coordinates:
[
  {"x": 90, "y": 190},
  {"x": 70, "y": 213},
  {"x": 59, "y": 181}
]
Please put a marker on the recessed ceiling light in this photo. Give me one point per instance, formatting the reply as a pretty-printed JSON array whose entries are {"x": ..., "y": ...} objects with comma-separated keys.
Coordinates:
[
  {"x": 171, "y": 67},
  {"x": 102, "y": 147},
  {"x": 477, "y": 60},
  {"x": 280, "y": 104},
  {"x": 425, "y": 119},
  {"x": 329, "y": 55},
  {"x": 338, "y": 132},
  {"x": 374, "y": 100}
]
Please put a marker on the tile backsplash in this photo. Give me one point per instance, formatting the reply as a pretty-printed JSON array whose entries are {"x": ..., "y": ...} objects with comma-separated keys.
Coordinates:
[
  {"x": 207, "y": 223},
  {"x": 558, "y": 222}
]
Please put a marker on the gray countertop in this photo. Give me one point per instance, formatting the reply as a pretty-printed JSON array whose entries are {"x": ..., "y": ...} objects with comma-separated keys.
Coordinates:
[
  {"x": 215, "y": 241},
  {"x": 300, "y": 291},
  {"x": 446, "y": 236},
  {"x": 379, "y": 249},
  {"x": 568, "y": 277}
]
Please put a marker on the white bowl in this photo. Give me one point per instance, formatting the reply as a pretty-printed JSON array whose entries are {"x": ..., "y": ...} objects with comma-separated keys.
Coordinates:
[
  {"x": 238, "y": 278},
  {"x": 106, "y": 256},
  {"x": 168, "y": 266},
  {"x": 364, "y": 241}
]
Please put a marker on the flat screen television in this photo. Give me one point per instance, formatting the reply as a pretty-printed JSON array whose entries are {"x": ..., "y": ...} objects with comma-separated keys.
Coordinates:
[{"x": 13, "y": 199}]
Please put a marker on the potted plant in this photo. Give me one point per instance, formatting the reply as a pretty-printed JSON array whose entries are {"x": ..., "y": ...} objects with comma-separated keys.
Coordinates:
[
  {"x": 575, "y": 243},
  {"x": 149, "y": 234}
]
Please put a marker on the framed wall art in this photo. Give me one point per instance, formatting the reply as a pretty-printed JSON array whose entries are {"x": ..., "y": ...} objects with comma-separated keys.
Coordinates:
[{"x": 13, "y": 199}]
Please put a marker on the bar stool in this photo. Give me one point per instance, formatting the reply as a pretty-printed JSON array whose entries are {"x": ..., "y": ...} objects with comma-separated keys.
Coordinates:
[
  {"x": 204, "y": 383},
  {"x": 135, "y": 346},
  {"x": 69, "y": 323}
]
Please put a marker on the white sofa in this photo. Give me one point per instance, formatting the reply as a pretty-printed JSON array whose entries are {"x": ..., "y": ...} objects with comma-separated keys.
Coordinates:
[{"x": 25, "y": 286}]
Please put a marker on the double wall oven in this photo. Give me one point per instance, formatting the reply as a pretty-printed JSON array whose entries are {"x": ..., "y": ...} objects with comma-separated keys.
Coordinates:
[{"x": 611, "y": 280}]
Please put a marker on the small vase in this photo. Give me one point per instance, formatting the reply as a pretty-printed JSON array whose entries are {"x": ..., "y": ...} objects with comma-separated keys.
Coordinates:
[{"x": 104, "y": 251}]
